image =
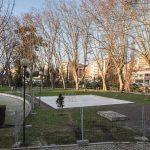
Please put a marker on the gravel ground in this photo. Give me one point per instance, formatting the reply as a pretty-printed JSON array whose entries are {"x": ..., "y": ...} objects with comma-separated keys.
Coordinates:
[{"x": 98, "y": 146}]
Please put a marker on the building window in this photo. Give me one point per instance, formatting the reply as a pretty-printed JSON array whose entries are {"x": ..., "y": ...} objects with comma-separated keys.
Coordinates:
[
  {"x": 140, "y": 75},
  {"x": 147, "y": 75}
]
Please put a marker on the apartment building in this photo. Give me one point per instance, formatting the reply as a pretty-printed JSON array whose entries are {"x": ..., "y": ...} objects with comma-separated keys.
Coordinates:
[
  {"x": 68, "y": 70},
  {"x": 141, "y": 76},
  {"x": 92, "y": 71},
  {"x": 141, "y": 64},
  {"x": 142, "y": 72},
  {"x": 80, "y": 70}
]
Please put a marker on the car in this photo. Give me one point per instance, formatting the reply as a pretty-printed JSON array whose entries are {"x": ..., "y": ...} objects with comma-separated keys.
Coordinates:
[{"x": 36, "y": 82}]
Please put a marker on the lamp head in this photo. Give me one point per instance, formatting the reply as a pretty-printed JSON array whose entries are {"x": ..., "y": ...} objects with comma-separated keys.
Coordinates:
[
  {"x": 24, "y": 62},
  {"x": 40, "y": 73}
]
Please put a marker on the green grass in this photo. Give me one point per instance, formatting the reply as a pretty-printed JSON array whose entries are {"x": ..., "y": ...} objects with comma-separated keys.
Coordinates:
[
  {"x": 50, "y": 126},
  {"x": 138, "y": 98},
  {"x": 6, "y": 138},
  {"x": 6, "y": 141},
  {"x": 63, "y": 126},
  {"x": 4, "y": 89}
]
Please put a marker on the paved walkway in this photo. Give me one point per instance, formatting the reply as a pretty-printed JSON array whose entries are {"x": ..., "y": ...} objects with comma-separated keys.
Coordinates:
[{"x": 14, "y": 104}]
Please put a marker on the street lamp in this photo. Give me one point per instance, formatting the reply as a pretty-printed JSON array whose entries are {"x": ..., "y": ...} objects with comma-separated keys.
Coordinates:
[
  {"x": 41, "y": 74},
  {"x": 24, "y": 63}
]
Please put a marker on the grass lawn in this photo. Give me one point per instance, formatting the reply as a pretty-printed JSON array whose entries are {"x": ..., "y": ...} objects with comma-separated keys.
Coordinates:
[
  {"x": 51, "y": 126},
  {"x": 6, "y": 138},
  {"x": 63, "y": 127},
  {"x": 4, "y": 89}
]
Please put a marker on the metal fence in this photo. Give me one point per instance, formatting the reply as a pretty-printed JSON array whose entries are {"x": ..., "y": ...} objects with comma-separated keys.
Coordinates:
[
  {"x": 70, "y": 126},
  {"x": 12, "y": 131},
  {"x": 74, "y": 125}
]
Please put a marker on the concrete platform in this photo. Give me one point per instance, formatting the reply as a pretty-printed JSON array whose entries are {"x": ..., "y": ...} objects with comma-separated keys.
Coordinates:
[
  {"x": 112, "y": 115},
  {"x": 73, "y": 101}
]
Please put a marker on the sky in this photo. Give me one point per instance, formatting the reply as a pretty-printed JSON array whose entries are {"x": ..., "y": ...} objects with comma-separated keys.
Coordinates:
[{"x": 23, "y": 6}]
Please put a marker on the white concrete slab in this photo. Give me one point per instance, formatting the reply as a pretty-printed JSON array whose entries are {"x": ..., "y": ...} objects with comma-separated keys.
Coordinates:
[
  {"x": 82, "y": 101},
  {"x": 112, "y": 115}
]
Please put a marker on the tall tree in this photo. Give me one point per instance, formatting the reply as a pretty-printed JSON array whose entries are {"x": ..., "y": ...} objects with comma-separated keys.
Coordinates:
[
  {"x": 141, "y": 29},
  {"x": 48, "y": 24},
  {"x": 111, "y": 17},
  {"x": 28, "y": 42},
  {"x": 75, "y": 38},
  {"x": 6, "y": 9}
]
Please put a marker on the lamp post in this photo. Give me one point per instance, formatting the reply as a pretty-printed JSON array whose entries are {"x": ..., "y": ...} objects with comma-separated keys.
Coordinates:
[
  {"x": 24, "y": 63},
  {"x": 40, "y": 73}
]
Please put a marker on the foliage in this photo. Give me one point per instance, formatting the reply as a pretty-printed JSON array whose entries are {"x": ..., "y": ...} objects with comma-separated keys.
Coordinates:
[
  {"x": 4, "y": 88},
  {"x": 17, "y": 79},
  {"x": 93, "y": 85},
  {"x": 35, "y": 74}
]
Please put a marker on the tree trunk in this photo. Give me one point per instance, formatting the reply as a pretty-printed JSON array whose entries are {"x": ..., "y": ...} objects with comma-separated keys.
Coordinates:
[
  {"x": 9, "y": 79},
  {"x": 64, "y": 84},
  {"x": 52, "y": 82},
  {"x": 127, "y": 86},
  {"x": 104, "y": 84},
  {"x": 77, "y": 85},
  {"x": 48, "y": 78},
  {"x": 30, "y": 81},
  {"x": 121, "y": 82},
  {"x": 63, "y": 80}
]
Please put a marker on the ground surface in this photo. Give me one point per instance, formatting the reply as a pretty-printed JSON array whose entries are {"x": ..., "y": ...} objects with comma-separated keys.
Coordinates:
[
  {"x": 133, "y": 111},
  {"x": 82, "y": 101},
  {"x": 14, "y": 107},
  {"x": 51, "y": 126},
  {"x": 100, "y": 146}
]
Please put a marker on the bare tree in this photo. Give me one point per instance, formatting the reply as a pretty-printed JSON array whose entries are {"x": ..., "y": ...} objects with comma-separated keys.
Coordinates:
[
  {"x": 48, "y": 24},
  {"x": 6, "y": 38},
  {"x": 6, "y": 10},
  {"x": 7, "y": 44},
  {"x": 75, "y": 38},
  {"x": 102, "y": 59},
  {"x": 129, "y": 69},
  {"x": 141, "y": 29},
  {"x": 111, "y": 18}
]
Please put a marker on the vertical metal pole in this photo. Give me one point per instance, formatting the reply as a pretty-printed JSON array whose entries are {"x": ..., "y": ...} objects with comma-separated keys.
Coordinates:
[
  {"x": 143, "y": 120},
  {"x": 24, "y": 90},
  {"x": 82, "y": 131},
  {"x": 40, "y": 94}
]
